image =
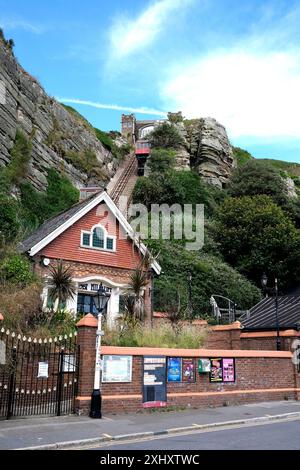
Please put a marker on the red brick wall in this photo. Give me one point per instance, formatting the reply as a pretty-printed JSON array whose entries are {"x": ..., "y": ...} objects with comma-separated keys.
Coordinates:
[
  {"x": 263, "y": 377},
  {"x": 252, "y": 374},
  {"x": 67, "y": 245}
]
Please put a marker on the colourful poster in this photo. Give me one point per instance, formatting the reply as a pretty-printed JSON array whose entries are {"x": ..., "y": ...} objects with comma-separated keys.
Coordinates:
[
  {"x": 188, "y": 370},
  {"x": 228, "y": 370},
  {"x": 216, "y": 373},
  {"x": 174, "y": 369}
]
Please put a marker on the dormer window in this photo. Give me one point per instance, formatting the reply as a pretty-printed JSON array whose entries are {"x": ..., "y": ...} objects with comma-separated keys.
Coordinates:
[{"x": 98, "y": 239}]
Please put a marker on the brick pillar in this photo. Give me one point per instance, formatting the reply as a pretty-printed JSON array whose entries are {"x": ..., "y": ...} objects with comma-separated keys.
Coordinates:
[
  {"x": 235, "y": 336},
  {"x": 86, "y": 339}
]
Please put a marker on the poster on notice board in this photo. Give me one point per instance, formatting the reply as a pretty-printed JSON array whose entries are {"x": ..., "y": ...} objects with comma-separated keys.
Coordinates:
[
  {"x": 228, "y": 370},
  {"x": 174, "y": 369},
  {"x": 216, "y": 370},
  {"x": 188, "y": 370}
]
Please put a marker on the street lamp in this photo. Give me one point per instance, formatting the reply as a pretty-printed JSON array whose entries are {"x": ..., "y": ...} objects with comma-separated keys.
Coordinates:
[
  {"x": 264, "y": 283},
  {"x": 100, "y": 298}
]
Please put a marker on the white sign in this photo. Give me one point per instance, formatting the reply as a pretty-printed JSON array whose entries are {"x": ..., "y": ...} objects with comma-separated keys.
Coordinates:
[
  {"x": 2, "y": 352},
  {"x": 43, "y": 372},
  {"x": 117, "y": 369}
]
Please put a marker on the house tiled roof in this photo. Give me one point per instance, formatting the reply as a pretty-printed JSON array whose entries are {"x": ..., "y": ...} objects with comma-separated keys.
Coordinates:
[
  {"x": 263, "y": 315},
  {"x": 52, "y": 224}
]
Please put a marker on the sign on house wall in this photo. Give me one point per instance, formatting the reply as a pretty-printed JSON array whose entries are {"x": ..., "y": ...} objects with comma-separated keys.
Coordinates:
[
  {"x": 154, "y": 381},
  {"x": 117, "y": 369}
]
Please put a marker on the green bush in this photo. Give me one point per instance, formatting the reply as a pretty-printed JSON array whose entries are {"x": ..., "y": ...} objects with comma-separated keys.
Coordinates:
[
  {"x": 166, "y": 136},
  {"x": 157, "y": 336},
  {"x": 256, "y": 177},
  {"x": 118, "y": 152},
  {"x": 255, "y": 235},
  {"x": 210, "y": 275},
  {"x": 176, "y": 187},
  {"x": 9, "y": 221},
  {"x": 241, "y": 156},
  {"x": 38, "y": 206},
  {"x": 20, "y": 156},
  {"x": 88, "y": 163},
  {"x": 16, "y": 269},
  {"x": 161, "y": 160}
]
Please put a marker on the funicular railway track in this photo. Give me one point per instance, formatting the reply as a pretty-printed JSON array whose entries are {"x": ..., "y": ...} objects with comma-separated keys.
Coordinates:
[{"x": 121, "y": 184}]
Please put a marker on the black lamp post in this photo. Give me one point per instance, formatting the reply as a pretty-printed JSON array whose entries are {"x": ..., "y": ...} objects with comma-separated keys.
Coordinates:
[
  {"x": 100, "y": 298},
  {"x": 264, "y": 283}
]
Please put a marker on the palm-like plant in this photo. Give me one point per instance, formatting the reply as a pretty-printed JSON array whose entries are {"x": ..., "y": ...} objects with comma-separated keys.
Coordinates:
[{"x": 61, "y": 285}]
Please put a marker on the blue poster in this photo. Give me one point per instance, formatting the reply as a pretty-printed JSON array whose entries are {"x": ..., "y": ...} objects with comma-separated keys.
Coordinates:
[{"x": 174, "y": 369}]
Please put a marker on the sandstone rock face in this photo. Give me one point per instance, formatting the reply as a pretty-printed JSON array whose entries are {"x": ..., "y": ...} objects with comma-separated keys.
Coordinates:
[
  {"x": 209, "y": 148},
  {"x": 290, "y": 187},
  {"x": 53, "y": 130}
]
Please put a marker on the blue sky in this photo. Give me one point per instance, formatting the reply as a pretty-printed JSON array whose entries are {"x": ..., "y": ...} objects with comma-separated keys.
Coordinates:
[{"x": 236, "y": 61}]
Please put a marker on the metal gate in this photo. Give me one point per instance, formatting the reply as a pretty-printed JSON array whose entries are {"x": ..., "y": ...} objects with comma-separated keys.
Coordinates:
[{"x": 37, "y": 377}]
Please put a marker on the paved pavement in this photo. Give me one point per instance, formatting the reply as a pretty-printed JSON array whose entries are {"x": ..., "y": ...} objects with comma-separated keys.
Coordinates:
[
  {"x": 273, "y": 436},
  {"x": 15, "y": 434}
]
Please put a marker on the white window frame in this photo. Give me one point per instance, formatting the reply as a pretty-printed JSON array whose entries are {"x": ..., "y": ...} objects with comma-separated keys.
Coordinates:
[{"x": 106, "y": 236}]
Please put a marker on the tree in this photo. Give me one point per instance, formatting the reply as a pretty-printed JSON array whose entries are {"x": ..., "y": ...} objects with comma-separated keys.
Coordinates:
[
  {"x": 20, "y": 156},
  {"x": 166, "y": 136},
  {"x": 255, "y": 177},
  {"x": 161, "y": 160},
  {"x": 61, "y": 286},
  {"x": 9, "y": 222},
  {"x": 255, "y": 235}
]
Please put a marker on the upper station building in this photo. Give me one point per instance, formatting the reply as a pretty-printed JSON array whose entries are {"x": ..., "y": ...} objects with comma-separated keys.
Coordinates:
[{"x": 137, "y": 132}]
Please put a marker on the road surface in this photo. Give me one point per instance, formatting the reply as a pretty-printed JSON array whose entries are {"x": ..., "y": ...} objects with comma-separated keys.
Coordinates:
[{"x": 273, "y": 436}]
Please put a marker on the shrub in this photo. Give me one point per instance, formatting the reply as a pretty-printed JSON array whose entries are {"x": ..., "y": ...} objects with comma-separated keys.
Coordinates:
[
  {"x": 176, "y": 187},
  {"x": 16, "y": 269},
  {"x": 256, "y": 177},
  {"x": 210, "y": 275},
  {"x": 88, "y": 163},
  {"x": 9, "y": 222},
  {"x": 241, "y": 156},
  {"x": 166, "y": 136},
  {"x": 255, "y": 235},
  {"x": 157, "y": 336},
  {"x": 161, "y": 160},
  {"x": 22, "y": 308},
  {"x": 60, "y": 195},
  {"x": 20, "y": 156}
]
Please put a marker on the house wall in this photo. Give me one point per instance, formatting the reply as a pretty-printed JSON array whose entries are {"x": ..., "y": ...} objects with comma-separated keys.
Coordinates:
[
  {"x": 113, "y": 269},
  {"x": 67, "y": 245}
]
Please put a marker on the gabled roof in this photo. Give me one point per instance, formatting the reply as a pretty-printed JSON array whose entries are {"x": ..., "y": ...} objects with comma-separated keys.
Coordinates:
[
  {"x": 263, "y": 315},
  {"x": 54, "y": 227}
]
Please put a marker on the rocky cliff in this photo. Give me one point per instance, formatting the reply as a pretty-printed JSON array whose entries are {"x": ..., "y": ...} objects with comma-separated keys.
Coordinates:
[
  {"x": 60, "y": 139},
  {"x": 206, "y": 148}
]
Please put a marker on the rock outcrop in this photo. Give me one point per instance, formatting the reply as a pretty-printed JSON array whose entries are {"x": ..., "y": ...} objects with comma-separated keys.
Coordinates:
[
  {"x": 56, "y": 134},
  {"x": 209, "y": 149}
]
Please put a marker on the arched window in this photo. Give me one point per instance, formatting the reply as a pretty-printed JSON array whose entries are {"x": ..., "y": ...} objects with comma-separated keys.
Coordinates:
[{"x": 98, "y": 239}]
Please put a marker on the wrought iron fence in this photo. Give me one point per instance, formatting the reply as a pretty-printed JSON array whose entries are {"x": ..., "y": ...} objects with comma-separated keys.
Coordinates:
[{"x": 37, "y": 377}]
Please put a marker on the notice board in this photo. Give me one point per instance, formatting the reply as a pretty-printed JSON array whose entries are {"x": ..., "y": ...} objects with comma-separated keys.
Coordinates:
[{"x": 154, "y": 381}]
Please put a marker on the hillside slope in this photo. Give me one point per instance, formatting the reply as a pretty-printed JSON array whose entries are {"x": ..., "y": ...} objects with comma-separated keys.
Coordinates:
[{"x": 59, "y": 138}]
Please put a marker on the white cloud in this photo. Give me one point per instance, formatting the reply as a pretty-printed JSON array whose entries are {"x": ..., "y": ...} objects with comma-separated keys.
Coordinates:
[
  {"x": 130, "y": 35},
  {"x": 13, "y": 24},
  {"x": 113, "y": 107},
  {"x": 252, "y": 93}
]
